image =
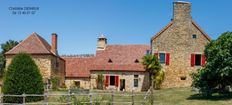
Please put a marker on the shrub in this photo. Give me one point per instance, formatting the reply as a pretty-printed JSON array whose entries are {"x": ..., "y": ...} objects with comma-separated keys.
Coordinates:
[
  {"x": 22, "y": 76},
  {"x": 55, "y": 82},
  {"x": 158, "y": 79}
]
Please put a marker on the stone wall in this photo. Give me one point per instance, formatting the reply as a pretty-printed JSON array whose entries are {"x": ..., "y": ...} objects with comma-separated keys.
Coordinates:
[
  {"x": 58, "y": 69},
  {"x": 143, "y": 83},
  {"x": 177, "y": 40},
  {"x": 47, "y": 65},
  {"x": 84, "y": 82},
  {"x": 42, "y": 61}
]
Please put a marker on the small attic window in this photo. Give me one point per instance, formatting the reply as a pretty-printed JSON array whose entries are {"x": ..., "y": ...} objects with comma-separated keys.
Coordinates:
[
  {"x": 110, "y": 61},
  {"x": 136, "y": 61},
  {"x": 194, "y": 36}
]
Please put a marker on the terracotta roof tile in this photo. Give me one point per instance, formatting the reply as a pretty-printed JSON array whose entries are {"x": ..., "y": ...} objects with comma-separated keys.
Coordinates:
[
  {"x": 78, "y": 67},
  {"x": 123, "y": 58},
  {"x": 34, "y": 44}
]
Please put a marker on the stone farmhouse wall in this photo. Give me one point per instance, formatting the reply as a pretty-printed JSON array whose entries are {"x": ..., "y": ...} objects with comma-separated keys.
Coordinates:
[
  {"x": 84, "y": 83},
  {"x": 143, "y": 80},
  {"x": 46, "y": 65},
  {"x": 179, "y": 42}
]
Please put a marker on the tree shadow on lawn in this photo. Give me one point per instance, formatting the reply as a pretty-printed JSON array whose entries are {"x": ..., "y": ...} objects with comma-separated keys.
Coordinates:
[{"x": 214, "y": 97}]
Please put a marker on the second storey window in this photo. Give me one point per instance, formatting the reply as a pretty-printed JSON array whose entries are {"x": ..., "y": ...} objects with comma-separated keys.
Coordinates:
[
  {"x": 162, "y": 58},
  {"x": 197, "y": 59}
]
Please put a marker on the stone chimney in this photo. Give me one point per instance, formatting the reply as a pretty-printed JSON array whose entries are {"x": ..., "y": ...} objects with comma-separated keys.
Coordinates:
[
  {"x": 182, "y": 11},
  {"x": 101, "y": 43},
  {"x": 54, "y": 43}
]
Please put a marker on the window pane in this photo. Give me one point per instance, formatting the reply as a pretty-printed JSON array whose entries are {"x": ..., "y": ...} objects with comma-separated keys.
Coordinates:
[
  {"x": 77, "y": 84},
  {"x": 136, "y": 82},
  {"x": 194, "y": 36},
  {"x": 198, "y": 59},
  {"x": 162, "y": 57},
  {"x": 112, "y": 80},
  {"x": 136, "y": 76}
]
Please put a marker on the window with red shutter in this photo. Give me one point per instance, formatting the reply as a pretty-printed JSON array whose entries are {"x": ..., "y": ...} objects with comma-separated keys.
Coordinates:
[
  {"x": 203, "y": 59},
  {"x": 116, "y": 81},
  {"x": 167, "y": 58},
  {"x": 107, "y": 80},
  {"x": 192, "y": 59}
]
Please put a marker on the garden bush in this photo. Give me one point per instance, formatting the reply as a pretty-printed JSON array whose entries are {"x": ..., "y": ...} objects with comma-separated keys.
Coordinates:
[{"x": 22, "y": 77}]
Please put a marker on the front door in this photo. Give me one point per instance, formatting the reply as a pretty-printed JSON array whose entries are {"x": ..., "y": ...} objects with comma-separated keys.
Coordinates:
[{"x": 122, "y": 84}]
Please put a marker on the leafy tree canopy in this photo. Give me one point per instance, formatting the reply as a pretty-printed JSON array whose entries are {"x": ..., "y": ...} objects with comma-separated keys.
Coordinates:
[
  {"x": 217, "y": 73},
  {"x": 8, "y": 45}
]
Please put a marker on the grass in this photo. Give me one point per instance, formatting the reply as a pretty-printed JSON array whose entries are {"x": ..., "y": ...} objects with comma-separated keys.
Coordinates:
[
  {"x": 184, "y": 96},
  {"x": 173, "y": 96}
]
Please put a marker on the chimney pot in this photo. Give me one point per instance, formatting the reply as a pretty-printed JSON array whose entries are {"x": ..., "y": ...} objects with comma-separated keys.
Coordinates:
[
  {"x": 54, "y": 43},
  {"x": 101, "y": 43}
]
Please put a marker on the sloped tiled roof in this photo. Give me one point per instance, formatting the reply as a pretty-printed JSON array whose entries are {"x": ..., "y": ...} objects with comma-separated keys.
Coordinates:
[
  {"x": 34, "y": 44},
  {"x": 123, "y": 58},
  {"x": 78, "y": 67},
  {"x": 171, "y": 23}
]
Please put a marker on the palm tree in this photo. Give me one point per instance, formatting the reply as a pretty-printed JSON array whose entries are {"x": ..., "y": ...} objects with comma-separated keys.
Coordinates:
[
  {"x": 152, "y": 66},
  {"x": 8, "y": 45}
]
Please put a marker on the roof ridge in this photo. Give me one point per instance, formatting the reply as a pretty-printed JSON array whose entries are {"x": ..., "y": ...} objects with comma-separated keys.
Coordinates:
[
  {"x": 40, "y": 38},
  {"x": 162, "y": 30},
  {"x": 19, "y": 44},
  {"x": 199, "y": 28},
  {"x": 127, "y": 44},
  {"x": 44, "y": 46}
]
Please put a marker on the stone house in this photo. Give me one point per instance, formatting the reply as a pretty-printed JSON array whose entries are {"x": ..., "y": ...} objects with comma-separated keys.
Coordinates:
[
  {"x": 45, "y": 56},
  {"x": 180, "y": 47},
  {"x": 118, "y": 65},
  {"x": 78, "y": 71}
]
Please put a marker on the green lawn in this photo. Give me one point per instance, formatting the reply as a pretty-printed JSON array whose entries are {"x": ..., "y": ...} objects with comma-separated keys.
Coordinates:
[
  {"x": 184, "y": 96},
  {"x": 174, "y": 96}
]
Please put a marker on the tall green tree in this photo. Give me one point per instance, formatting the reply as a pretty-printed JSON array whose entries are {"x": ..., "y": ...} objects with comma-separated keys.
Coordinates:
[
  {"x": 22, "y": 76},
  {"x": 216, "y": 75},
  {"x": 8, "y": 45},
  {"x": 152, "y": 66}
]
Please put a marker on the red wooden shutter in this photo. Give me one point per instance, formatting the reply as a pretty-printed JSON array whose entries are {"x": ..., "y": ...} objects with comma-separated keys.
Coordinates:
[
  {"x": 116, "y": 81},
  {"x": 167, "y": 58},
  {"x": 192, "y": 59},
  {"x": 203, "y": 59},
  {"x": 107, "y": 80}
]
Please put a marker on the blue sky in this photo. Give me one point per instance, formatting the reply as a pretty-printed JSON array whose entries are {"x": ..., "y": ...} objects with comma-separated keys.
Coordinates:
[{"x": 78, "y": 23}]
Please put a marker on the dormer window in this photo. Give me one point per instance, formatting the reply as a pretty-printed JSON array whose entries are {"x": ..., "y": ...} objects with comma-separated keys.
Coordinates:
[
  {"x": 136, "y": 61},
  {"x": 110, "y": 61}
]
